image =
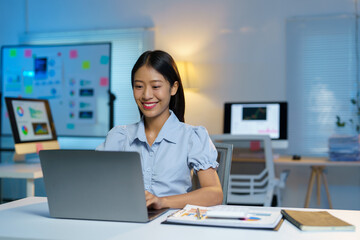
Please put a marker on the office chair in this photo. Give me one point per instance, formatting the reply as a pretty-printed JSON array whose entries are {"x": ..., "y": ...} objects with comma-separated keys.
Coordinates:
[
  {"x": 252, "y": 179},
  {"x": 223, "y": 170}
]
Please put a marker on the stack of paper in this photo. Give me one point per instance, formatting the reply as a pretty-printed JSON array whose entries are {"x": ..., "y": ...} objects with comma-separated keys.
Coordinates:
[{"x": 344, "y": 148}]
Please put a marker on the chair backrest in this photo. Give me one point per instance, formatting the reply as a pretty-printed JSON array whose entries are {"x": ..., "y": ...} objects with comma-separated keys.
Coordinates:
[
  {"x": 254, "y": 154},
  {"x": 223, "y": 170}
]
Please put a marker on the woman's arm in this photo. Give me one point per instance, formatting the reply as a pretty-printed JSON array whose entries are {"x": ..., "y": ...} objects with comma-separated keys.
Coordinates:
[{"x": 209, "y": 194}]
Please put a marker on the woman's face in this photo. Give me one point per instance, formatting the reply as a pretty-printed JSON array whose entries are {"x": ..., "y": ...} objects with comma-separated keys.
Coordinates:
[{"x": 152, "y": 92}]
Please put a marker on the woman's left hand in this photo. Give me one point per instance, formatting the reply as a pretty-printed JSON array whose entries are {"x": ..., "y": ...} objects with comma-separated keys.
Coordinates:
[{"x": 153, "y": 201}]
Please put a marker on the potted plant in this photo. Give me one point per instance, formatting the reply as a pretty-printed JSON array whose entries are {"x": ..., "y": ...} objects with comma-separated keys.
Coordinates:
[{"x": 346, "y": 147}]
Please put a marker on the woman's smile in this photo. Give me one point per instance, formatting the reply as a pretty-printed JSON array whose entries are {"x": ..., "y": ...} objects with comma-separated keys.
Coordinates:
[{"x": 149, "y": 105}]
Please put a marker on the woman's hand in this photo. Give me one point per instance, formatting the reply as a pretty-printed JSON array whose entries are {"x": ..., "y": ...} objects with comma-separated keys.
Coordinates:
[
  {"x": 209, "y": 194},
  {"x": 153, "y": 201}
]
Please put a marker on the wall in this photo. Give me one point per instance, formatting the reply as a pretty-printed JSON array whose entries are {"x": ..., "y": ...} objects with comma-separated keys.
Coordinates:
[{"x": 237, "y": 48}]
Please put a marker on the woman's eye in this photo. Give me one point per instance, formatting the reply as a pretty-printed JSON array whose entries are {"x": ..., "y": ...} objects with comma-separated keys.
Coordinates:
[
  {"x": 138, "y": 86},
  {"x": 156, "y": 87}
]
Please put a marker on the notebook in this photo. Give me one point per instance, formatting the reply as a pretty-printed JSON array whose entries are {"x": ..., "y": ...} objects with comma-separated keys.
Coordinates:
[
  {"x": 316, "y": 221},
  {"x": 95, "y": 185}
]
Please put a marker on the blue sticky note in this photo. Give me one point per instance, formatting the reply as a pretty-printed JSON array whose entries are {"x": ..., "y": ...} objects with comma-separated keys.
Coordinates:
[{"x": 104, "y": 59}]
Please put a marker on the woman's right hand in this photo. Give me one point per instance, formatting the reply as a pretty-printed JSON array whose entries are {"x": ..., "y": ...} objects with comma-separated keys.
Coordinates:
[{"x": 153, "y": 201}]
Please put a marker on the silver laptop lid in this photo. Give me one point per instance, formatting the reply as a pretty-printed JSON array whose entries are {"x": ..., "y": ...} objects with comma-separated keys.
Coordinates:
[{"x": 98, "y": 185}]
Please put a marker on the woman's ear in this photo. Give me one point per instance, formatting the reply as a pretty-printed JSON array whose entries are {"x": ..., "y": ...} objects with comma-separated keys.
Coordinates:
[{"x": 174, "y": 88}]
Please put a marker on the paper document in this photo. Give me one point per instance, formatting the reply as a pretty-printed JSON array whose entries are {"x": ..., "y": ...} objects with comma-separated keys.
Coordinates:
[{"x": 248, "y": 217}]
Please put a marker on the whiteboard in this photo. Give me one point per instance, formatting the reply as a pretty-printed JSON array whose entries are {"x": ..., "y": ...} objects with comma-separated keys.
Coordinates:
[{"x": 74, "y": 78}]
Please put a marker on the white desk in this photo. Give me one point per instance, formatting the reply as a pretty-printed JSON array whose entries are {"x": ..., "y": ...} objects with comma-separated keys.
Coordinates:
[
  {"x": 28, "y": 171},
  {"x": 317, "y": 164},
  {"x": 29, "y": 219}
]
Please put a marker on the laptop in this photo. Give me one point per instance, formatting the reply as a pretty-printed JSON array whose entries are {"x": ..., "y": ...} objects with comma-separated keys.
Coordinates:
[{"x": 95, "y": 185}]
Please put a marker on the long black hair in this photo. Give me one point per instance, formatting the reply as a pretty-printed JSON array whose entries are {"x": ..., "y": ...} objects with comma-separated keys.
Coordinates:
[{"x": 164, "y": 64}]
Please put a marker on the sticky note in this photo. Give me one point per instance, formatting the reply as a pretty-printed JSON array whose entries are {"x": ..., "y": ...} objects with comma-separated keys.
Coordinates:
[
  {"x": 70, "y": 126},
  {"x": 104, "y": 81},
  {"x": 39, "y": 147},
  {"x": 27, "y": 53},
  {"x": 28, "y": 89},
  {"x": 104, "y": 59},
  {"x": 73, "y": 53},
  {"x": 13, "y": 52},
  {"x": 86, "y": 64}
]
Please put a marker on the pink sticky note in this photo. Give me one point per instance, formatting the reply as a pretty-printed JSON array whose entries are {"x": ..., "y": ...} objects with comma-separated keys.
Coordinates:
[
  {"x": 104, "y": 81},
  {"x": 39, "y": 147},
  {"x": 254, "y": 145},
  {"x": 27, "y": 53},
  {"x": 73, "y": 53}
]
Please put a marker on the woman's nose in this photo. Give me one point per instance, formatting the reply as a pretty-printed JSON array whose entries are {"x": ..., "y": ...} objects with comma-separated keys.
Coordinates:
[{"x": 147, "y": 94}]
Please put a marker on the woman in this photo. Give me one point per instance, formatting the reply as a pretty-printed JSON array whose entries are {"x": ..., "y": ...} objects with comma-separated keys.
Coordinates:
[{"x": 169, "y": 148}]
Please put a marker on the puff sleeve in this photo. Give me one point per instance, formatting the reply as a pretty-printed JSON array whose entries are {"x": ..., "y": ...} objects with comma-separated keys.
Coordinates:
[
  {"x": 115, "y": 140},
  {"x": 202, "y": 153}
]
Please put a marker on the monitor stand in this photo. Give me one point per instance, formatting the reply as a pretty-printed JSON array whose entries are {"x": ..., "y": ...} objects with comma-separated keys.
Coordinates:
[{"x": 29, "y": 152}]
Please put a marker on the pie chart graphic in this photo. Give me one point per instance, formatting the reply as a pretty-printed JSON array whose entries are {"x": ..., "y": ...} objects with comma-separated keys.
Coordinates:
[
  {"x": 20, "y": 111},
  {"x": 25, "y": 130}
]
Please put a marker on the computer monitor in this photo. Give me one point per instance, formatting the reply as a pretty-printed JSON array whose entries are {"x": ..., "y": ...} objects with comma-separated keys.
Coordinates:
[
  {"x": 259, "y": 118},
  {"x": 32, "y": 126}
]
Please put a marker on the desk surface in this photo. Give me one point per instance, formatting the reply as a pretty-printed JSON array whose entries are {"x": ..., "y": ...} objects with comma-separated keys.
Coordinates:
[
  {"x": 313, "y": 161},
  {"x": 20, "y": 170},
  {"x": 29, "y": 219}
]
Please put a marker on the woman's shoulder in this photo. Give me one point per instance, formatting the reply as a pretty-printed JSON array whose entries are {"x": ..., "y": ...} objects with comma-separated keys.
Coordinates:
[
  {"x": 195, "y": 129},
  {"x": 123, "y": 129},
  {"x": 195, "y": 132}
]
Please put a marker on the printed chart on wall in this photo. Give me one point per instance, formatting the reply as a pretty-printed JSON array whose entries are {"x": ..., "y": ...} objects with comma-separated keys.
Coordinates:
[{"x": 74, "y": 78}]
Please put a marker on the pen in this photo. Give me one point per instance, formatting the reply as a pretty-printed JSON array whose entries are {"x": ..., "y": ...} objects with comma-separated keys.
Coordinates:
[{"x": 198, "y": 213}]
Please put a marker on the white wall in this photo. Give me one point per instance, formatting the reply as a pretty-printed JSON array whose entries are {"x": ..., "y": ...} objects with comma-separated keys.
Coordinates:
[
  {"x": 237, "y": 48},
  {"x": 12, "y": 21}
]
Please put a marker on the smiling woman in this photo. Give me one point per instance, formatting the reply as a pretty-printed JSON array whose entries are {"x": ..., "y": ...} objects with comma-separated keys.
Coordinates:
[
  {"x": 169, "y": 148},
  {"x": 151, "y": 93}
]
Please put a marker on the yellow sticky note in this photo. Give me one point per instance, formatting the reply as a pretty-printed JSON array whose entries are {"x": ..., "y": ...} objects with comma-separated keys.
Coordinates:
[{"x": 86, "y": 64}]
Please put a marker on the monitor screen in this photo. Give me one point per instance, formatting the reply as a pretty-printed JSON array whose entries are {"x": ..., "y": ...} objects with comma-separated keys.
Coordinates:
[
  {"x": 74, "y": 78},
  {"x": 260, "y": 118},
  {"x": 30, "y": 119},
  {"x": 31, "y": 124}
]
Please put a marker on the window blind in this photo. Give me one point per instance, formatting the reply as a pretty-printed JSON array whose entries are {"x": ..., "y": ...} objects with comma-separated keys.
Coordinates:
[{"x": 321, "y": 80}]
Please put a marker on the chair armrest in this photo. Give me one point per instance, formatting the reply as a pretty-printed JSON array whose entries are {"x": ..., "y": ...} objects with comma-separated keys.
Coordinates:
[{"x": 283, "y": 177}]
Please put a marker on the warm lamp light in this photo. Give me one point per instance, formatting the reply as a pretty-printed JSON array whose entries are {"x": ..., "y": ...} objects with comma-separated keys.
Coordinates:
[{"x": 187, "y": 76}]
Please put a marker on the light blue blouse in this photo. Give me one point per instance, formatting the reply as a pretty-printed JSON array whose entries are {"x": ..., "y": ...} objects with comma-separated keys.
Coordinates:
[{"x": 166, "y": 165}]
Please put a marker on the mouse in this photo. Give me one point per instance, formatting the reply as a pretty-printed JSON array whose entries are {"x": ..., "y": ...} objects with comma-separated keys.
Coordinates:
[{"x": 296, "y": 157}]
